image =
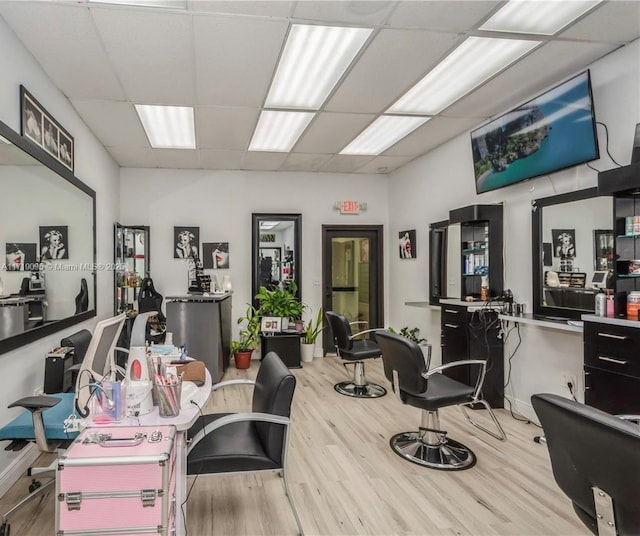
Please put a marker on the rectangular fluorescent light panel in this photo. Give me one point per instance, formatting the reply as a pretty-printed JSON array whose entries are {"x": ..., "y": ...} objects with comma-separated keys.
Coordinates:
[
  {"x": 537, "y": 17},
  {"x": 169, "y": 4},
  {"x": 268, "y": 224},
  {"x": 383, "y": 133},
  {"x": 313, "y": 60},
  {"x": 476, "y": 60},
  {"x": 168, "y": 127},
  {"x": 278, "y": 131}
]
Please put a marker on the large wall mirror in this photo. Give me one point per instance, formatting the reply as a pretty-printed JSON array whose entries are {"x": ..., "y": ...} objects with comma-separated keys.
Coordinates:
[
  {"x": 276, "y": 244},
  {"x": 47, "y": 237},
  {"x": 572, "y": 252}
]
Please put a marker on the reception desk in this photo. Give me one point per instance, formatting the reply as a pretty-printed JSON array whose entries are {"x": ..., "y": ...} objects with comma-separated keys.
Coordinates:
[
  {"x": 21, "y": 313},
  {"x": 203, "y": 324}
]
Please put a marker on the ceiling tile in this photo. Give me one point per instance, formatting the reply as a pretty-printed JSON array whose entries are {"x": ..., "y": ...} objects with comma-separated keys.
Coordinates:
[
  {"x": 235, "y": 59},
  {"x": 446, "y": 15},
  {"x": 225, "y": 128},
  {"x": 430, "y": 135},
  {"x": 177, "y": 158},
  {"x": 385, "y": 164},
  {"x": 64, "y": 41},
  {"x": 150, "y": 51},
  {"x": 330, "y": 133},
  {"x": 389, "y": 65},
  {"x": 550, "y": 63},
  {"x": 214, "y": 159},
  {"x": 358, "y": 12},
  {"x": 305, "y": 162},
  {"x": 114, "y": 123},
  {"x": 127, "y": 156},
  {"x": 617, "y": 21},
  {"x": 345, "y": 163},
  {"x": 262, "y": 161},
  {"x": 264, "y": 8}
]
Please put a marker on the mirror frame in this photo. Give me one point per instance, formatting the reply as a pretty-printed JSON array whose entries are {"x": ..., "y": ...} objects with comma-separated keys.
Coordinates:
[
  {"x": 537, "y": 249},
  {"x": 39, "y": 154},
  {"x": 255, "y": 249}
]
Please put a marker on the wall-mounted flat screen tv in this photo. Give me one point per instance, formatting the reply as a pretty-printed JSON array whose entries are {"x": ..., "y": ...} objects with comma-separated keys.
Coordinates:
[{"x": 554, "y": 131}]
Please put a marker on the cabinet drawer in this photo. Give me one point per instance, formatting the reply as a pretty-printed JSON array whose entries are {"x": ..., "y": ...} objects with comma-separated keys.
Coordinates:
[
  {"x": 612, "y": 348},
  {"x": 613, "y": 393},
  {"x": 454, "y": 317}
]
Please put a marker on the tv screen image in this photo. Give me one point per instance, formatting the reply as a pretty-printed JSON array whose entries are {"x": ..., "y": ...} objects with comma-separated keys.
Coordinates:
[{"x": 554, "y": 131}]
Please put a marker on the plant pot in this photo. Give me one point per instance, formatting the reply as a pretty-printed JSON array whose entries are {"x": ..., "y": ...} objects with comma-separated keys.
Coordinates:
[
  {"x": 243, "y": 359},
  {"x": 285, "y": 323},
  {"x": 306, "y": 354}
]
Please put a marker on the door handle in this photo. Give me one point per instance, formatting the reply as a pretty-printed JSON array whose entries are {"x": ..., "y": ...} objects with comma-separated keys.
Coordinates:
[
  {"x": 454, "y": 326},
  {"x": 453, "y": 311}
]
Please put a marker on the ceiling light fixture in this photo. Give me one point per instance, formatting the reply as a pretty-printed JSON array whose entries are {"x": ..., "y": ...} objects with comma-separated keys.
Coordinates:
[
  {"x": 168, "y": 127},
  {"x": 476, "y": 60},
  {"x": 168, "y": 4},
  {"x": 383, "y": 133},
  {"x": 268, "y": 224},
  {"x": 537, "y": 17},
  {"x": 313, "y": 60},
  {"x": 278, "y": 131}
]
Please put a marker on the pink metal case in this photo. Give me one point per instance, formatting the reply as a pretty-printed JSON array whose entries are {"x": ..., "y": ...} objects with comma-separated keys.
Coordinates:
[{"x": 117, "y": 478}]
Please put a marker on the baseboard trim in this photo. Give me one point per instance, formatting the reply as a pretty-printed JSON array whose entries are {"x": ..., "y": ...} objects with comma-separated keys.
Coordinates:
[
  {"x": 522, "y": 408},
  {"x": 25, "y": 459}
]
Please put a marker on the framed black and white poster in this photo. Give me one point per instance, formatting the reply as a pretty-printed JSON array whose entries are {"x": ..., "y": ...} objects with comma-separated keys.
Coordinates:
[
  {"x": 53, "y": 242},
  {"x": 215, "y": 255},
  {"x": 41, "y": 128},
  {"x": 407, "y": 243},
  {"x": 21, "y": 256},
  {"x": 564, "y": 243},
  {"x": 186, "y": 241}
]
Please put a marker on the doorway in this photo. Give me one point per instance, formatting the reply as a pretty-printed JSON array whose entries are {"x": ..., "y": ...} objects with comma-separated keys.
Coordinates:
[{"x": 352, "y": 276}]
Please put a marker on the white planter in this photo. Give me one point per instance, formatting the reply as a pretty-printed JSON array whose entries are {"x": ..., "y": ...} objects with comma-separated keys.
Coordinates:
[
  {"x": 285, "y": 323},
  {"x": 306, "y": 354}
]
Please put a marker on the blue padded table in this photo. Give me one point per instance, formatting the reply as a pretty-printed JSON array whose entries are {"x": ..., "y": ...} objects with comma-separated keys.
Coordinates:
[{"x": 22, "y": 426}]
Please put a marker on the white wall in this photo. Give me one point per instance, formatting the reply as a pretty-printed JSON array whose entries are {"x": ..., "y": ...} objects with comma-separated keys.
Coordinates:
[
  {"x": 426, "y": 189},
  {"x": 24, "y": 368},
  {"x": 221, "y": 204}
]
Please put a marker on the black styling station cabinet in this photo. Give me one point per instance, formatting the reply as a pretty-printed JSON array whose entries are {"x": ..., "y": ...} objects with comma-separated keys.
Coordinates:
[{"x": 470, "y": 329}]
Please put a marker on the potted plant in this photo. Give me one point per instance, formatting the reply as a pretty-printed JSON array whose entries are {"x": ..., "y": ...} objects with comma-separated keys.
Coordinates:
[
  {"x": 280, "y": 302},
  {"x": 413, "y": 334},
  {"x": 248, "y": 338},
  {"x": 308, "y": 341}
]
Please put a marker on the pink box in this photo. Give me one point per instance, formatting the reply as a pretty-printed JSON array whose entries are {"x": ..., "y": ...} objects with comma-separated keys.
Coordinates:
[{"x": 117, "y": 478}]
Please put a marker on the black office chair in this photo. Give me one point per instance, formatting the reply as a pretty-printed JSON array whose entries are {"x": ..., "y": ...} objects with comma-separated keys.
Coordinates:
[
  {"x": 24, "y": 287},
  {"x": 407, "y": 368},
  {"x": 595, "y": 459},
  {"x": 354, "y": 352},
  {"x": 248, "y": 442},
  {"x": 82, "y": 299}
]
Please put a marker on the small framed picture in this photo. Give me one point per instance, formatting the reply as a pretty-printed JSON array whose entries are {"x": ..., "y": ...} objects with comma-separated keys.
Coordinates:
[{"x": 271, "y": 324}]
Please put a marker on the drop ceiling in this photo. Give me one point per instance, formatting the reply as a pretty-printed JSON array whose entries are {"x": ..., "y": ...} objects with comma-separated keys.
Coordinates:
[{"x": 220, "y": 58}]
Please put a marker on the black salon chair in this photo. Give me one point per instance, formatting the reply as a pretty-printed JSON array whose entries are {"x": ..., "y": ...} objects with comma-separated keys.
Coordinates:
[
  {"x": 354, "y": 352},
  {"x": 82, "y": 299},
  {"x": 407, "y": 368},
  {"x": 248, "y": 442},
  {"x": 595, "y": 459},
  {"x": 150, "y": 300}
]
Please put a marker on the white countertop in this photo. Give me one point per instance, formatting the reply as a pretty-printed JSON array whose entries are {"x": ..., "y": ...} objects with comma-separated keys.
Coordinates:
[
  {"x": 562, "y": 325},
  {"x": 612, "y": 321},
  {"x": 474, "y": 305}
]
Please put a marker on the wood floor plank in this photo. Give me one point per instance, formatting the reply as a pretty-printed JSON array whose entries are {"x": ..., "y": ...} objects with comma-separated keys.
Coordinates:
[{"x": 346, "y": 480}]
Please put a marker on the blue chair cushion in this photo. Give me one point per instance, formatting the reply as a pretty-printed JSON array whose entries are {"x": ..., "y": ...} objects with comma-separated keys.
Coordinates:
[{"x": 22, "y": 426}]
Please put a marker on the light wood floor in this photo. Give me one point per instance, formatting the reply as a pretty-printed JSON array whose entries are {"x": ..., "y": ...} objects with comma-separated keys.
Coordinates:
[{"x": 346, "y": 481}]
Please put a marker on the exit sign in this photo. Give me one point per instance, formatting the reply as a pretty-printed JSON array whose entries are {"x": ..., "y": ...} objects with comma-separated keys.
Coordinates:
[{"x": 350, "y": 207}]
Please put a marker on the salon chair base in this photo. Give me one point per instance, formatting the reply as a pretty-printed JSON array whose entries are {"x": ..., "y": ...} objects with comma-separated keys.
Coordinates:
[
  {"x": 370, "y": 390},
  {"x": 446, "y": 455}
]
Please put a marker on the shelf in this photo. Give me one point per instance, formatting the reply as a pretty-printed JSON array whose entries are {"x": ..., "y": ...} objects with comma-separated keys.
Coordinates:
[
  {"x": 479, "y": 250},
  {"x": 628, "y": 275},
  {"x": 628, "y": 236},
  {"x": 472, "y": 275}
]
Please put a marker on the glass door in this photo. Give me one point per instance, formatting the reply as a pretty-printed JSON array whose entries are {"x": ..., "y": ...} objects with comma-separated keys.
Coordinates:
[
  {"x": 352, "y": 261},
  {"x": 132, "y": 265}
]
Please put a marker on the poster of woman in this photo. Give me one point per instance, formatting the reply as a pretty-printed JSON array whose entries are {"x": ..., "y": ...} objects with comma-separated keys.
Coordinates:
[
  {"x": 215, "y": 255},
  {"x": 407, "y": 243},
  {"x": 186, "y": 240},
  {"x": 53, "y": 242}
]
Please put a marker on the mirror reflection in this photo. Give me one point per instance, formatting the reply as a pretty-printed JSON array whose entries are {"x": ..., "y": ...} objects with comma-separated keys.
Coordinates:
[
  {"x": 47, "y": 232},
  {"x": 276, "y": 251},
  {"x": 575, "y": 247}
]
